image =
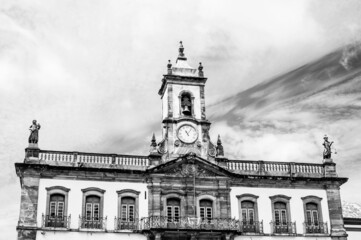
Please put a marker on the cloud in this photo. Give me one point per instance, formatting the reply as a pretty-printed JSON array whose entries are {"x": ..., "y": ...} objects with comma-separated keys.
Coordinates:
[{"x": 89, "y": 71}]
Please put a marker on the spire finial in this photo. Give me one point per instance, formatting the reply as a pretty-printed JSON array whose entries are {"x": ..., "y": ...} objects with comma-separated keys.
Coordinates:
[
  {"x": 200, "y": 70},
  {"x": 169, "y": 67},
  {"x": 219, "y": 148},
  {"x": 153, "y": 144},
  {"x": 181, "y": 51}
]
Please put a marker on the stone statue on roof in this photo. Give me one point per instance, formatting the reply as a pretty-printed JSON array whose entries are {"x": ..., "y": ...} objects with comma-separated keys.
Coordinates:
[
  {"x": 327, "y": 151},
  {"x": 34, "y": 132}
]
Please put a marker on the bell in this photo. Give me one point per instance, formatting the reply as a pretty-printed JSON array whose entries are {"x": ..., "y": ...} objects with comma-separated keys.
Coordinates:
[{"x": 186, "y": 111}]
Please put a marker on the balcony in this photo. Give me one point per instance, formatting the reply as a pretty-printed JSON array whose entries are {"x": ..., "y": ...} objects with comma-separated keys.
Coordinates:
[
  {"x": 161, "y": 222},
  {"x": 320, "y": 228},
  {"x": 120, "y": 224},
  {"x": 55, "y": 221},
  {"x": 284, "y": 228},
  {"x": 255, "y": 227},
  {"x": 86, "y": 223}
]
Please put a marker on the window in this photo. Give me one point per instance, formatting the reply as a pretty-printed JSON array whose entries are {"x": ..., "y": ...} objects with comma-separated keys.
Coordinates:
[
  {"x": 248, "y": 213},
  {"x": 128, "y": 202},
  {"x": 127, "y": 212},
  {"x": 92, "y": 217},
  {"x": 173, "y": 210},
  {"x": 92, "y": 208},
  {"x": 186, "y": 104},
  {"x": 205, "y": 209},
  {"x": 56, "y": 209},
  {"x": 313, "y": 215},
  {"x": 281, "y": 215}
]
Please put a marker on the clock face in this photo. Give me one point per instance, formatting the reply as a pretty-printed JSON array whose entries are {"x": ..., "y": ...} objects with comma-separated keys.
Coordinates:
[{"x": 187, "y": 134}]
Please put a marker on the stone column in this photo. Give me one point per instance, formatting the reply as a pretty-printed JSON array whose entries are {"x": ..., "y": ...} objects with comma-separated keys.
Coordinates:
[
  {"x": 27, "y": 223},
  {"x": 338, "y": 231}
]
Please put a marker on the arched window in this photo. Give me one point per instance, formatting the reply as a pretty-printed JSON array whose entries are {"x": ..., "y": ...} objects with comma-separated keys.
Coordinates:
[
  {"x": 248, "y": 212},
  {"x": 56, "y": 207},
  {"x": 93, "y": 200},
  {"x": 206, "y": 210},
  {"x": 173, "y": 213},
  {"x": 281, "y": 215},
  {"x": 313, "y": 215},
  {"x": 186, "y": 104},
  {"x": 127, "y": 205},
  {"x": 128, "y": 209}
]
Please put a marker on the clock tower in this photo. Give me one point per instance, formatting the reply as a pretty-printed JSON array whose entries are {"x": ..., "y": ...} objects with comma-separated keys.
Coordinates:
[{"x": 185, "y": 126}]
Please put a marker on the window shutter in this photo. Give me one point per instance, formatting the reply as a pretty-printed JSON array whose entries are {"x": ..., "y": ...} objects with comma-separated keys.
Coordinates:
[
  {"x": 60, "y": 209},
  {"x": 96, "y": 211},
  {"x": 124, "y": 213},
  {"x": 131, "y": 213},
  {"x": 52, "y": 210}
]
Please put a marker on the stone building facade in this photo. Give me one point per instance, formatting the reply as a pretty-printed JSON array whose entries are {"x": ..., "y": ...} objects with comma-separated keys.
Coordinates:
[{"x": 184, "y": 189}]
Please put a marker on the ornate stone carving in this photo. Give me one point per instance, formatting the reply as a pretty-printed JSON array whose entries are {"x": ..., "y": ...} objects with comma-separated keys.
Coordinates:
[{"x": 189, "y": 170}]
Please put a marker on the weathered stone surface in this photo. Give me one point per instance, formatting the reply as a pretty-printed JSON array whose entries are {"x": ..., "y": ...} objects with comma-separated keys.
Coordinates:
[
  {"x": 26, "y": 234},
  {"x": 29, "y": 202},
  {"x": 335, "y": 211}
]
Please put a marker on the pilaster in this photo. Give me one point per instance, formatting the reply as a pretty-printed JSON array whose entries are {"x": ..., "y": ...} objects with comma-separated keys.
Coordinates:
[
  {"x": 27, "y": 223},
  {"x": 338, "y": 231}
]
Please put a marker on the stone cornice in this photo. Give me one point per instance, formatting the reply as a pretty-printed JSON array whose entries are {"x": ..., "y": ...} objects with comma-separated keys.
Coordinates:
[
  {"x": 93, "y": 189},
  {"x": 128, "y": 175},
  {"x": 58, "y": 187},
  {"x": 187, "y": 119},
  {"x": 128, "y": 191},
  {"x": 182, "y": 80}
]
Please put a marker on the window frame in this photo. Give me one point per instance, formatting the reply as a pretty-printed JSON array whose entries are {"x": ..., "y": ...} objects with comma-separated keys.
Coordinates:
[
  {"x": 286, "y": 200},
  {"x": 93, "y": 191},
  {"x": 251, "y": 198},
  {"x": 57, "y": 190},
  {"x": 215, "y": 213},
  {"x": 128, "y": 193},
  {"x": 315, "y": 200}
]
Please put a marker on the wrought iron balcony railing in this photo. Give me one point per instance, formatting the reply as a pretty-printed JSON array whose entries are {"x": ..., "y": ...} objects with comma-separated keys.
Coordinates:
[
  {"x": 121, "y": 224},
  {"x": 93, "y": 223},
  {"x": 49, "y": 221},
  {"x": 251, "y": 226},
  {"x": 285, "y": 228},
  {"x": 319, "y": 228},
  {"x": 155, "y": 222}
]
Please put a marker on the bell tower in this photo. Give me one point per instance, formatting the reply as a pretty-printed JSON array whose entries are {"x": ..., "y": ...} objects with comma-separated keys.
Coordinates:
[{"x": 185, "y": 126}]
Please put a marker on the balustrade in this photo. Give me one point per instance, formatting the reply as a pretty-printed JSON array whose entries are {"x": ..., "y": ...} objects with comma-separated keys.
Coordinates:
[
  {"x": 317, "y": 228},
  {"x": 93, "y": 158},
  {"x": 49, "y": 221},
  {"x": 283, "y": 228},
  {"x": 99, "y": 223},
  {"x": 120, "y": 224},
  {"x": 155, "y": 222},
  {"x": 252, "y": 227}
]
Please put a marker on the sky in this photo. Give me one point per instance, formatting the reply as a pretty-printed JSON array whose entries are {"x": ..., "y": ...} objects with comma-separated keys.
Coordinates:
[{"x": 89, "y": 71}]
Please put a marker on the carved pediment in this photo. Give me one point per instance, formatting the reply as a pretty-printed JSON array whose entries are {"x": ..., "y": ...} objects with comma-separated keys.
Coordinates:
[
  {"x": 189, "y": 170},
  {"x": 189, "y": 166}
]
